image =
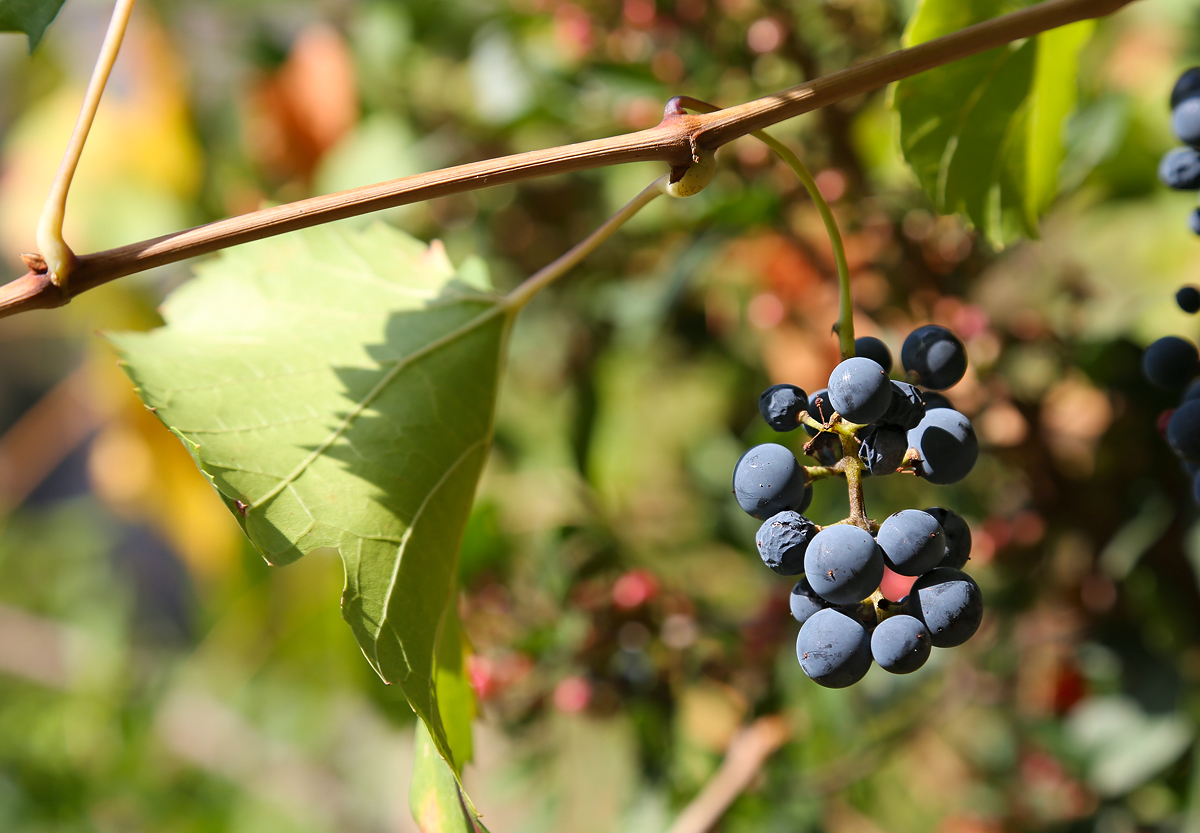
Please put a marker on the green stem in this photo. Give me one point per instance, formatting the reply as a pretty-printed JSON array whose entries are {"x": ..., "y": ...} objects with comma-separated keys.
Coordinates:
[
  {"x": 836, "y": 425},
  {"x": 845, "y": 325},
  {"x": 819, "y": 472},
  {"x": 853, "y": 468},
  {"x": 559, "y": 267}
]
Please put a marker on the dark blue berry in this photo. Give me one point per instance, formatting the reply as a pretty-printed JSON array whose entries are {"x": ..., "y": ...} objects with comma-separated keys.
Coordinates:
[{"x": 780, "y": 406}]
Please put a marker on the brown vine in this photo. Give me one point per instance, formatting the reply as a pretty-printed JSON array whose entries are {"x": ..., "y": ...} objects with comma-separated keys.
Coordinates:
[{"x": 675, "y": 141}]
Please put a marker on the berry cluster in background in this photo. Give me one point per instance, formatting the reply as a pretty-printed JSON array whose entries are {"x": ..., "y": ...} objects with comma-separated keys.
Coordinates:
[
  {"x": 1180, "y": 167},
  {"x": 867, "y": 424},
  {"x": 1173, "y": 363}
]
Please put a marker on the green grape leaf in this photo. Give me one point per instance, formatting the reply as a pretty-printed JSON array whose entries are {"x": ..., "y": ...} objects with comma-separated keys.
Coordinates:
[
  {"x": 337, "y": 389},
  {"x": 455, "y": 697},
  {"x": 435, "y": 799},
  {"x": 28, "y": 16},
  {"x": 984, "y": 134}
]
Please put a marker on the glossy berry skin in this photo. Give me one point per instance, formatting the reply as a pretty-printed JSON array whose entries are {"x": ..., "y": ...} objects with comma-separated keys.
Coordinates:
[
  {"x": 948, "y": 601},
  {"x": 958, "y": 537},
  {"x": 1171, "y": 362},
  {"x": 1185, "y": 120},
  {"x": 782, "y": 541},
  {"x": 843, "y": 564},
  {"x": 1188, "y": 297},
  {"x": 780, "y": 406},
  {"x": 907, "y": 406},
  {"x": 804, "y": 601},
  {"x": 912, "y": 541},
  {"x": 946, "y": 443},
  {"x": 1187, "y": 86},
  {"x": 874, "y": 349},
  {"x": 834, "y": 649},
  {"x": 882, "y": 449},
  {"x": 901, "y": 644},
  {"x": 768, "y": 480},
  {"x": 1183, "y": 431},
  {"x": 1180, "y": 169},
  {"x": 860, "y": 390},
  {"x": 934, "y": 356}
]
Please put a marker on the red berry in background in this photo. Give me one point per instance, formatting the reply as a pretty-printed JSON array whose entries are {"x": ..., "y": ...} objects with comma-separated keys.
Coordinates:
[{"x": 634, "y": 589}]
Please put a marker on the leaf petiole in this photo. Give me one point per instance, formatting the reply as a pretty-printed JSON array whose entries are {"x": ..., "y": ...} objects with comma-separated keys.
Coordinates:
[
  {"x": 845, "y": 325},
  {"x": 60, "y": 261},
  {"x": 560, "y": 266}
]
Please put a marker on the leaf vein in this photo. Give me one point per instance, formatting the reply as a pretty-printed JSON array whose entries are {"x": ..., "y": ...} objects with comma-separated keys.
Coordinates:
[{"x": 380, "y": 386}]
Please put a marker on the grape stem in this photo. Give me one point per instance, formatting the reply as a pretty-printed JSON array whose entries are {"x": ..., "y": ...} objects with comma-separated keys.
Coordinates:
[
  {"x": 58, "y": 259},
  {"x": 845, "y": 325},
  {"x": 854, "y": 468},
  {"x": 836, "y": 424},
  {"x": 820, "y": 472},
  {"x": 884, "y": 608}
]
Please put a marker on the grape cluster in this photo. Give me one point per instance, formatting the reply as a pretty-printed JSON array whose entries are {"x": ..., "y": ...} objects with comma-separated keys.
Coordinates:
[
  {"x": 1180, "y": 168},
  {"x": 1173, "y": 363},
  {"x": 865, "y": 423}
]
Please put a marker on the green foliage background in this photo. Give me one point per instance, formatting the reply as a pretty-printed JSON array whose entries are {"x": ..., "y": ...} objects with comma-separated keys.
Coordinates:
[{"x": 156, "y": 674}]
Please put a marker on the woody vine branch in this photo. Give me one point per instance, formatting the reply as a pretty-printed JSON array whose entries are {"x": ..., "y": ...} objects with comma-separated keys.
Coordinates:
[{"x": 678, "y": 140}]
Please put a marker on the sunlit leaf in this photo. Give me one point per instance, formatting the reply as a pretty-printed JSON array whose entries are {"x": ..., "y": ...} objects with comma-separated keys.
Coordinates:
[
  {"x": 434, "y": 797},
  {"x": 28, "y": 16},
  {"x": 337, "y": 389},
  {"x": 984, "y": 134},
  {"x": 456, "y": 699}
]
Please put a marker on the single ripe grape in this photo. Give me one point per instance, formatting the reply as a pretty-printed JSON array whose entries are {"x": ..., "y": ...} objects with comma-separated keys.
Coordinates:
[
  {"x": 901, "y": 644},
  {"x": 882, "y": 449},
  {"x": 874, "y": 349},
  {"x": 912, "y": 541},
  {"x": 804, "y": 601},
  {"x": 782, "y": 541},
  {"x": 1188, "y": 297},
  {"x": 948, "y": 601},
  {"x": 1183, "y": 431},
  {"x": 958, "y": 537},
  {"x": 906, "y": 407},
  {"x": 1187, "y": 86},
  {"x": 860, "y": 390},
  {"x": 834, "y": 648},
  {"x": 780, "y": 406},
  {"x": 947, "y": 446},
  {"x": 934, "y": 356},
  {"x": 1185, "y": 120},
  {"x": 1180, "y": 169},
  {"x": 768, "y": 480},
  {"x": 843, "y": 564},
  {"x": 1171, "y": 362}
]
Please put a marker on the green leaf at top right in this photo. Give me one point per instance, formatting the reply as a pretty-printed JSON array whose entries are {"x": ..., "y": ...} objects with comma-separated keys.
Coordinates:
[
  {"x": 28, "y": 16},
  {"x": 984, "y": 135}
]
